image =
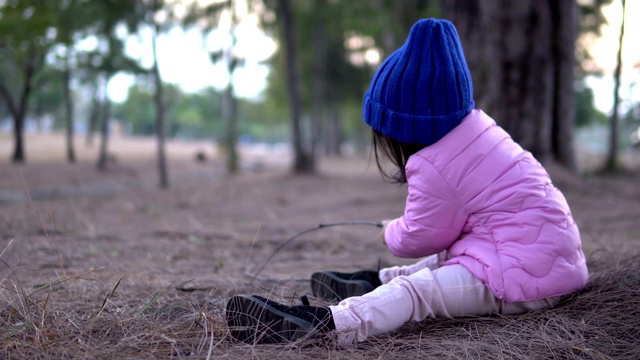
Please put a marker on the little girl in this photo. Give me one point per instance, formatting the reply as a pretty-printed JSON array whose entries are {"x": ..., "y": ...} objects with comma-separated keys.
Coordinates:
[{"x": 497, "y": 236}]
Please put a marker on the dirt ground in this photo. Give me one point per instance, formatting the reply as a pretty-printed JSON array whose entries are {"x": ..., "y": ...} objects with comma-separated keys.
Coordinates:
[{"x": 105, "y": 243}]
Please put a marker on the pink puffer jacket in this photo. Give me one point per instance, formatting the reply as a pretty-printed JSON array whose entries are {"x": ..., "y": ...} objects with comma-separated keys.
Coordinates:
[{"x": 479, "y": 195}]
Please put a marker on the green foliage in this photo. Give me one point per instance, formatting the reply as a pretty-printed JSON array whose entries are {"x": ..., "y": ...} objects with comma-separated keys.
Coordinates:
[
  {"x": 262, "y": 122},
  {"x": 189, "y": 116},
  {"x": 34, "y": 29},
  {"x": 586, "y": 112},
  {"x": 48, "y": 97},
  {"x": 346, "y": 80},
  {"x": 28, "y": 32},
  {"x": 196, "y": 115},
  {"x": 631, "y": 126},
  {"x": 25, "y": 24},
  {"x": 633, "y": 115},
  {"x": 108, "y": 16},
  {"x": 384, "y": 19},
  {"x": 591, "y": 16},
  {"x": 137, "y": 112},
  {"x": 590, "y": 22}
]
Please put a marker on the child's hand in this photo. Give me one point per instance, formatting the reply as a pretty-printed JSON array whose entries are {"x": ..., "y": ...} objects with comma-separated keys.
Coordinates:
[{"x": 384, "y": 228}]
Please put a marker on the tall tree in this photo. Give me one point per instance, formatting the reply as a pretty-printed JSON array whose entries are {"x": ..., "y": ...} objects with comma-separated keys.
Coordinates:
[
  {"x": 105, "y": 115},
  {"x": 68, "y": 105},
  {"x": 154, "y": 7},
  {"x": 319, "y": 73},
  {"x": 303, "y": 158},
  {"x": 521, "y": 56},
  {"x": 334, "y": 43},
  {"x": 225, "y": 17},
  {"x": 70, "y": 25},
  {"x": 109, "y": 57},
  {"x": 229, "y": 105},
  {"x": 44, "y": 28},
  {"x": 27, "y": 37},
  {"x": 565, "y": 22},
  {"x": 614, "y": 122}
]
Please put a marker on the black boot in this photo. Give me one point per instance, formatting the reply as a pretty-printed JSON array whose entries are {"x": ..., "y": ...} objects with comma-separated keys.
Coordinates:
[
  {"x": 331, "y": 285},
  {"x": 256, "y": 320}
]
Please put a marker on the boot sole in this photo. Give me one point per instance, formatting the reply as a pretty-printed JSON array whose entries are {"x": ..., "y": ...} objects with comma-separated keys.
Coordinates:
[
  {"x": 327, "y": 286},
  {"x": 253, "y": 321}
]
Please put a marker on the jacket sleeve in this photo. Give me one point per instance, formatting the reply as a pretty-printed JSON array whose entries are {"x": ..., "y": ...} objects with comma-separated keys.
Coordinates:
[{"x": 433, "y": 218}]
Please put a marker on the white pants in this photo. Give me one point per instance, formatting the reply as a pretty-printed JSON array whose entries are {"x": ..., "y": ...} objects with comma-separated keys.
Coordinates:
[{"x": 417, "y": 292}]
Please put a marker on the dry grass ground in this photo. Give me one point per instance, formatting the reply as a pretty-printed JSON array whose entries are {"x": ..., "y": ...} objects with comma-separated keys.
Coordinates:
[{"x": 105, "y": 265}]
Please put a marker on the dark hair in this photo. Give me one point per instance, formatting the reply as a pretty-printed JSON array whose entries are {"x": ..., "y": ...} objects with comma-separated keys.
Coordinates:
[{"x": 397, "y": 152}]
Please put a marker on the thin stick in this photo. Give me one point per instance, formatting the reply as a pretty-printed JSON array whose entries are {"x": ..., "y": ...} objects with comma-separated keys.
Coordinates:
[{"x": 320, "y": 226}]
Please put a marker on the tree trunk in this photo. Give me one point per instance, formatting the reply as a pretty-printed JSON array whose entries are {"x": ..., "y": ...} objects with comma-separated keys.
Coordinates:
[
  {"x": 94, "y": 117},
  {"x": 18, "y": 110},
  {"x": 319, "y": 73},
  {"x": 230, "y": 115},
  {"x": 68, "y": 104},
  {"x": 230, "y": 105},
  {"x": 104, "y": 127},
  {"x": 160, "y": 115},
  {"x": 303, "y": 159},
  {"x": 18, "y": 126},
  {"x": 520, "y": 54},
  {"x": 612, "y": 156},
  {"x": 565, "y": 18},
  {"x": 334, "y": 130}
]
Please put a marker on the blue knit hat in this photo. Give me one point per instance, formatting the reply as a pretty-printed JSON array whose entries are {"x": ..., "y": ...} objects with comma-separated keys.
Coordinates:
[{"x": 423, "y": 90}]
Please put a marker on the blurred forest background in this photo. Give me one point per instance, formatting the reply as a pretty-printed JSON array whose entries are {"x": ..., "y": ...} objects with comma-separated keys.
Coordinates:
[
  {"x": 106, "y": 103},
  {"x": 290, "y": 74}
]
